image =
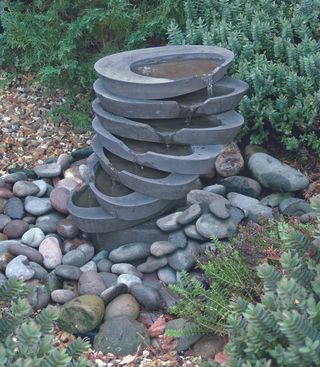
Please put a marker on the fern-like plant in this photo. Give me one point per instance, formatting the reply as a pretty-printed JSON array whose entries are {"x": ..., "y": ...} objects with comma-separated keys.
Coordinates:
[
  {"x": 28, "y": 341},
  {"x": 284, "y": 329}
]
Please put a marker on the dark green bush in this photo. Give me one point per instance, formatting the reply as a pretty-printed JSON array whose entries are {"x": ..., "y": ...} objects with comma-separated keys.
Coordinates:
[
  {"x": 277, "y": 51},
  {"x": 60, "y": 40}
]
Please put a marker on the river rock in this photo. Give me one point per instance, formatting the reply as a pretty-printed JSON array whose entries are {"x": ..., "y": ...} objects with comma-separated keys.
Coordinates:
[
  {"x": 216, "y": 189},
  {"x": 109, "y": 279},
  {"x": 87, "y": 250},
  {"x": 59, "y": 199},
  {"x": 104, "y": 265},
  {"x": 209, "y": 225},
  {"x": 5, "y": 258},
  {"x": 202, "y": 197},
  {"x": 40, "y": 273},
  {"x": 16, "y": 228},
  {"x": 162, "y": 248},
  {"x": 68, "y": 272},
  {"x": 308, "y": 217},
  {"x": 14, "y": 208},
  {"x": 294, "y": 207},
  {"x": 148, "y": 297},
  {"x": 51, "y": 252},
  {"x": 189, "y": 215},
  {"x": 31, "y": 253},
  {"x": 53, "y": 282},
  {"x": 68, "y": 183},
  {"x": 169, "y": 222},
  {"x": 112, "y": 292},
  {"x": 39, "y": 296},
  {"x": 3, "y": 203},
  {"x": 33, "y": 237},
  {"x": 37, "y": 206},
  {"x": 103, "y": 254},
  {"x": 125, "y": 268},
  {"x": 81, "y": 314},
  {"x": 184, "y": 342},
  {"x": 130, "y": 252},
  {"x": 42, "y": 185},
  {"x": 67, "y": 228},
  {"x": 178, "y": 238},
  {"x": 152, "y": 264},
  {"x": 5, "y": 193},
  {"x": 12, "y": 178},
  {"x": 75, "y": 258},
  {"x": 4, "y": 220},
  {"x": 123, "y": 305},
  {"x": 209, "y": 345},
  {"x": 276, "y": 175},
  {"x": 167, "y": 275},
  {"x": 220, "y": 208},
  {"x": 128, "y": 279},
  {"x": 230, "y": 162},
  {"x": 242, "y": 185},
  {"x": 48, "y": 170},
  {"x": 64, "y": 160},
  {"x": 62, "y": 295},
  {"x": 89, "y": 266},
  {"x": 25, "y": 188},
  {"x": 121, "y": 335},
  {"x": 275, "y": 199},
  {"x": 19, "y": 267},
  {"x": 191, "y": 232},
  {"x": 91, "y": 282},
  {"x": 184, "y": 259}
]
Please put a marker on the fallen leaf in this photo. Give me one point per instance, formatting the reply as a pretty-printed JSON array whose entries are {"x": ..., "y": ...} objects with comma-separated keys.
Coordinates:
[
  {"x": 158, "y": 327},
  {"x": 221, "y": 357}
]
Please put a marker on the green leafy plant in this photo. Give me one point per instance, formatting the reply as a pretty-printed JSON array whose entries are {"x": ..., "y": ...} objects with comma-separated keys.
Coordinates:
[
  {"x": 227, "y": 276},
  {"x": 277, "y": 52},
  {"x": 284, "y": 328},
  {"x": 29, "y": 341}
]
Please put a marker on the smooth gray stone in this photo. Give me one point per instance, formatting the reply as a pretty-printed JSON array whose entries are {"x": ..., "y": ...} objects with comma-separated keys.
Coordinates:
[
  {"x": 74, "y": 257},
  {"x": 184, "y": 259},
  {"x": 39, "y": 296},
  {"x": 162, "y": 248},
  {"x": 103, "y": 254},
  {"x": 208, "y": 226},
  {"x": 42, "y": 185},
  {"x": 169, "y": 222},
  {"x": 91, "y": 282},
  {"x": 191, "y": 232},
  {"x": 12, "y": 178},
  {"x": 130, "y": 252},
  {"x": 31, "y": 253},
  {"x": 47, "y": 226},
  {"x": 275, "y": 199},
  {"x": 167, "y": 275},
  {"x": 53, "y": 281},
  {"x": 48, "y": 170},
  {"x": 220, "y": 208},
  {"x": 189, "y": 215},
  {"x": 4, "y": 220},
  {"x": 121, "y": 335},
  {"x": 184, "y": 342},
  {"x": 276, "y": 175},
  {"x": 148, "y": 297},
  {"x": 243, "y": 185},
  {"x": 25, "y": 188},
  {"x": 202, "y": 197},
  {"x": 128, "y": 280},
  {"x": 37, "y": 206},
  {"x": 216, "y": 189},
  {"x": 62, "y": 295},
  {"x": 112, "y": 292},
  {"x": 89, "y": 266},
  {"x": 308, "y": 217},
  {"x": 104, "y": 265},
  {"x": 178, "y": 238},
  {"x": 14, "y": 208},
  {"x": 68, "y": 272},
  {"x": 65, "y": 160},
  {"x": 87, "y": 250},
  {"x": 40, "y": 273},
  {"x": 19, "y": 267},
  {"x": 109, "y": 279},
  {"x": 237, "y": 214},
  {"x": 124, "y": 268},
  {"x": 53, "y": 217},
  {"x": 33, "y": 237},
  {"x": 294, "y": 207},
  {"x": 152, "y": 264}
]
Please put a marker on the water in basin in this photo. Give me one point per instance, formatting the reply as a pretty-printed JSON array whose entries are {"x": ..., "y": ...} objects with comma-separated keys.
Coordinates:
[
  {"x": 85, "y": 198},
  {"x": 177, "y": 67},
  {"x": 109, "y": 186},
  {"x": 121, "y": 164},
  {"x": 143, "y": 147}
]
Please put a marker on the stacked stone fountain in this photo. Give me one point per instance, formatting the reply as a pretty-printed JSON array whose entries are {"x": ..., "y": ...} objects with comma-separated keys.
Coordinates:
[{"x": 162, "y": 116}]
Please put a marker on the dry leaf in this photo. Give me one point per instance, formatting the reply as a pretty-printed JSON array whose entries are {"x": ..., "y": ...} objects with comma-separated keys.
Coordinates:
[
  {"x": 221, "y": 357},
  {"x": 158, "y": 327}
]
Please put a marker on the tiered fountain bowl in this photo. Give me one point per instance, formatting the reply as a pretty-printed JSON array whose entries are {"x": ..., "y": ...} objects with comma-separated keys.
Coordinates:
[{"x": 162, "y": 116}]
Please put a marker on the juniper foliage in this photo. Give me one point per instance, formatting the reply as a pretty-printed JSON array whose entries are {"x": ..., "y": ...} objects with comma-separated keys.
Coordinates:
[
  {"x": 284, "y": 328},
  {"x": 277, "y": 52},
  {"x": 29, "y": 341}
]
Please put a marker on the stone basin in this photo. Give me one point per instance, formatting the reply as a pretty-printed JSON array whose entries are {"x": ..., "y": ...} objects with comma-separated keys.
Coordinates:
[
  {"x": 227, "y": 94},
  {"x": 163, "y": 72},
  {"x": 180, "y": 159},
  {"x": 129, "y": 206},
  {"x": 203, "y": 130},
  {"x": 147, "y": 181}
]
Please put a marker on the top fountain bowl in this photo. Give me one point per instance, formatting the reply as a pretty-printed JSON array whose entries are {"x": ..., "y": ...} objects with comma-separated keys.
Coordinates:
[{"x": 163, "y": 72}]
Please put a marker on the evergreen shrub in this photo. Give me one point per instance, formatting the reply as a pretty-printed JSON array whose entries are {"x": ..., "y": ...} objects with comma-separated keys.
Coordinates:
[{"x": 277, "y": 52}]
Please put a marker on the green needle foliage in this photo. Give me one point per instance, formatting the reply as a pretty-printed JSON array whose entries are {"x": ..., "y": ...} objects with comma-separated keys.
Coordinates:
[
  {"x": 284, "y": 329},
  {"x": 228, "y": 276},
  {"x": 27, "y": 341},
  {"x": 277, "y": 52}
]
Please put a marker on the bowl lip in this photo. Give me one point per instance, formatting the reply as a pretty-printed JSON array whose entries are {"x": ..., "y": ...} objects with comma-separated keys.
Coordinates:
[{"x": 118, "y": 67}]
